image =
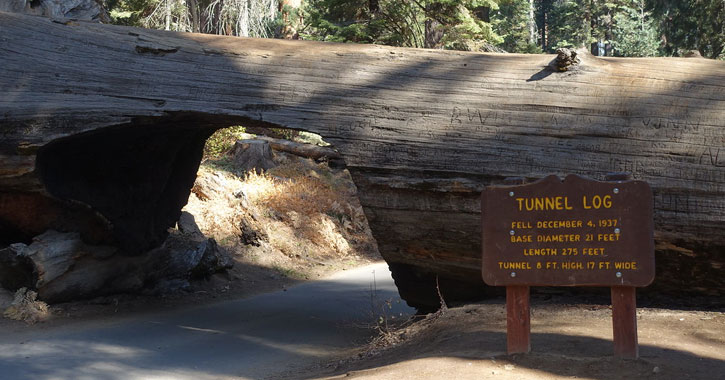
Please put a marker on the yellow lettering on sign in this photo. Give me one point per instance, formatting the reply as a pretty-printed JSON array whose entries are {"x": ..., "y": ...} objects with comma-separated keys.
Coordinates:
[
  {"x": 521, "y": 239},
  {"x": 607, "y": 237},
  {"x": 593, "y": 251},
  {"x": 597, "y": 202},
  {"x": 626, "y": 265},
  {"x": 544, "y": 204},
  {"x": 540, "y": 251},
  {"x": 521, "y": 225},
  {"x": 559, "y": 224},
  {"x": 558, "y": 238},
  {"x": 573, "y": 265},
  {"x": 514, "y": 265}
]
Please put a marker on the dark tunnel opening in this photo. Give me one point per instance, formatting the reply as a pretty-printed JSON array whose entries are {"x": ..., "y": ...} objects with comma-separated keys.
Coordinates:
[{"x": 137, "y": 176}]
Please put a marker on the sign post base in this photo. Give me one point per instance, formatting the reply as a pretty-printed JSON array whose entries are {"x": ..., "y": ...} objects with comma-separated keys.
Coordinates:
[
  {"x": 518, "y": 320},
  {"x": 624, "y": 321}
]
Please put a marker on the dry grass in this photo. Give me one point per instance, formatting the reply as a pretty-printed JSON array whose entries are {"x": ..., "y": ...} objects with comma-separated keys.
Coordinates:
[
  {"x": 311, "y": 201},
  {"x": 306, "y": 215},
  {"x": 25, "y": 307},
  {"x": 216, "y": 211}
]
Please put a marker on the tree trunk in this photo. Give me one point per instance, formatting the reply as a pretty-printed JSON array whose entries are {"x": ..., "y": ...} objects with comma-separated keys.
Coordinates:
[
  {"x": 103, "y": 128},
  {"x": 374, "y": 6},
  {"x": 290, "y": 25},
  {"x": 433, "y": 33},
  {"x": 193, "y": 6},
  {"x": 532, "y": 23},
  {"x": 252, "y": 155}
]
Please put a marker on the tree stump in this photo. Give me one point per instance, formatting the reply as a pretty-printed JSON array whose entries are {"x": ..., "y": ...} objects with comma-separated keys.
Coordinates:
[{"x": 251, "y": 155}]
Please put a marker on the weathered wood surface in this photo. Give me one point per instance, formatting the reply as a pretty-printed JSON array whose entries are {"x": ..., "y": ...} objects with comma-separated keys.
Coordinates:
[
  {"x": 63, "y": 268},
  {"x": 422, "y": 131}
]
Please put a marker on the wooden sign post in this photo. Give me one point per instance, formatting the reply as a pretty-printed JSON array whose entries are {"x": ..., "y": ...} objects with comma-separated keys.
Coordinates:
[{"x": 575, "y": 232}]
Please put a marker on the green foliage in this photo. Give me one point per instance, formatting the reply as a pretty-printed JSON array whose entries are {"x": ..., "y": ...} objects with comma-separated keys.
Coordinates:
[
  {"x": 512, "y": 23},
  {"x": 128, "y": 12},
  {"x": 570, "y": 24},
  {"x": 221, "y": 141},
  {"x": 448, "y": 24},
  {"x": 634, "y": 33},
  {"x": 691, "y": 25},
  {"x": 338, "y": 21},
  {"x": 283, "y": 133},
  {"x": 465, "y": 28},
  {"x": 634, "y": 27}
]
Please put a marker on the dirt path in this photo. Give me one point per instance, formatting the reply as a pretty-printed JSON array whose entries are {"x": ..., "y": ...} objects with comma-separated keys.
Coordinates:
[
  {"x": 568, "y": 341},
  {"x": 240, "y": 339}
]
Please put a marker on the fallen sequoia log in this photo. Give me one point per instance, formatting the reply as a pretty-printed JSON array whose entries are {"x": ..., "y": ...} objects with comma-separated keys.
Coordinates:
[
  {"x": 303, "y": 150},
  {"x": 63, "y": 268},
  {"x": 103, "y": 128}
]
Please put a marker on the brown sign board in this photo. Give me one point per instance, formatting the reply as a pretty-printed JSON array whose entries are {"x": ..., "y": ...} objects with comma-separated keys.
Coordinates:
[{"x": 575, "y": 232}]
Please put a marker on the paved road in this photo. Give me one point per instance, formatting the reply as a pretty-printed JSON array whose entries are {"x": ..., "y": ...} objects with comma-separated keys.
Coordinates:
[{"x": 244, "y": 339}]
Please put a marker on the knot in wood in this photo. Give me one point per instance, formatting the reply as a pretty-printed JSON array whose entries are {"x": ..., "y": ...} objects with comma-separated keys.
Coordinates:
[{"x": 565, "y": 58}]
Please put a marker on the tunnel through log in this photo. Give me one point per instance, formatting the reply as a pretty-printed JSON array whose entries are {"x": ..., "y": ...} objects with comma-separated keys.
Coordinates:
[
  {"x": 422, "y": 131},
  {"x": 137, "y": 176}
]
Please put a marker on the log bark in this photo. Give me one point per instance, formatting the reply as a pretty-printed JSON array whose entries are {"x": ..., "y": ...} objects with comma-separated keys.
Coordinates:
[
  {"x": 422, "y": 133},
  {"x": 63, "y": 268}
]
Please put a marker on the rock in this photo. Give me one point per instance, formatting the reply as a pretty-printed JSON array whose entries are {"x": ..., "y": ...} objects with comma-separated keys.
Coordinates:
[
  {"x": 213, "y": 260},
  {"x": 187, "y": 226},
  {"x": 251, "y": 155},
  {"x": 208, "y": 184},
  {"x": 250, "y": 235}
]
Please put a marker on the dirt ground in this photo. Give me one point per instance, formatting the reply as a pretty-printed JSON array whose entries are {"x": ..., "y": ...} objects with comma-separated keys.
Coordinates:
[{"x": 569, "y": 341}]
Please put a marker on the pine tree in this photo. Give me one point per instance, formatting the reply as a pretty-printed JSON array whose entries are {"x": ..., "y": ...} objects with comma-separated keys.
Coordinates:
[
  {"x": 634, "y": 32},
  {"x": 515, "y": 24},
  {"x": 450, "y": 24},
  {"x": 691, "y": 24}
]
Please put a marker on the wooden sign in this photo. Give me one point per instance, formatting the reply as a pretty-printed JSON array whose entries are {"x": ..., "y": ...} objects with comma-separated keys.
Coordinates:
[{"x": 575, "y": 232}]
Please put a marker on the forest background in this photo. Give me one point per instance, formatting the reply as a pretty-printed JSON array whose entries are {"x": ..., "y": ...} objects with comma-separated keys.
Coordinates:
[{"x": 606, "y": 27}]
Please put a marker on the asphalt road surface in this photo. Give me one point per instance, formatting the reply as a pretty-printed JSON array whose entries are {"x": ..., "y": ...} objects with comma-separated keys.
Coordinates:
[{"x": 245, "y": 339}]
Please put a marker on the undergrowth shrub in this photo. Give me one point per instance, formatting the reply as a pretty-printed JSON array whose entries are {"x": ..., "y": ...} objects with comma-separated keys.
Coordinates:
[{"x": 221, "y": 141}]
